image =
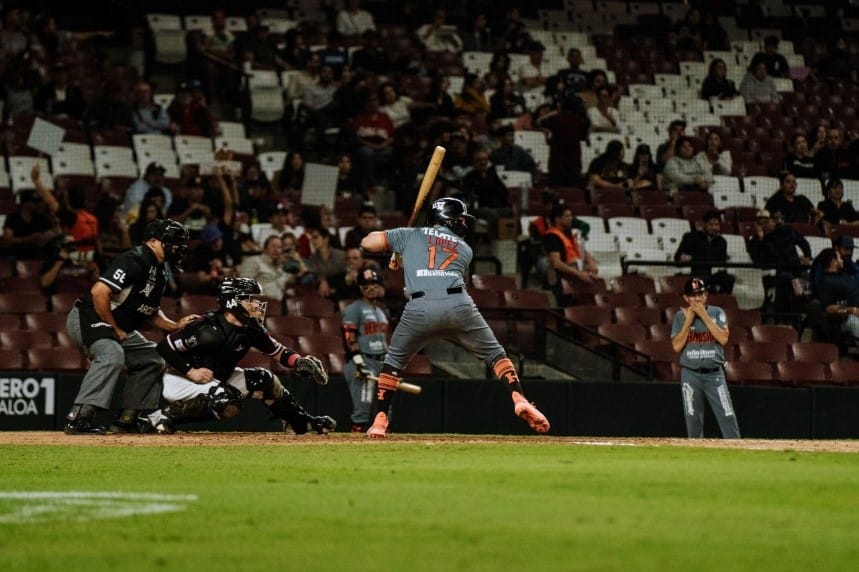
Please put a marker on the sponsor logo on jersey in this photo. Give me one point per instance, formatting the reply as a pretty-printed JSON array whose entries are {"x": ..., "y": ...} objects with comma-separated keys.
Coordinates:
[
  {"x": 700, "y": 353},
  {"x": 239, "y": 348},
  {"x": 432, "y": 273},
  {"x": 146, "y": 309},
  {"x": 700, "y": 337},
  {"x": 370, "y": 328}
]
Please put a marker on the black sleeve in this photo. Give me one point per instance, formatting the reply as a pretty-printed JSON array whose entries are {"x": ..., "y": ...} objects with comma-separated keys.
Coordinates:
[
  {"x": 684, "y": 247},
  {"x": 552, "y": 243},
  {"x": 262, "y": 340},
  {"x": 173, "y": 358},
  {"x": 196, "y": 336}
]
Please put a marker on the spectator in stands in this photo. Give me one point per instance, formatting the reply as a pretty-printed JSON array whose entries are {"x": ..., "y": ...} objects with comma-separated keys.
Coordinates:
[
  {"x": 436, "y": 103},
  {"x": 318, "y": 217},
  {"x": 516, "y": 36},
  {"x": 295, "y": 53},
  {"x": 210, "y": 262},
  {"x": 706, "y": 248},
  {"x": 153, "y": 177},
  {"x": 532, "y": 74},
  {"x": 58, "y": 96},
  {"x": 18, "y": 85},
  {"x": 306, "y": 77},
  {"x": 479, "y": 37},
  {"x": 604, "y": 116},
  {"x": 353, "y": 21},
  {"x": 800, "y": 162},
  {"x": 291, "y": 177},
  {"x": 372, "y": 57},
  {"x": 368, "y": 221},
  {"x": 318, "y": 109},
  {"x": 566, "y": 255},
  {"x": 499, "y": 68},
  {"x": 279, "y": 223},
  {"x": 817, "y": 142},
  {"x": 776, "y": 63},
  {"x": 326, "y": 261},
  {"x": 146, "y": 115},
  {"x": 485, "y": 194},
  {"x": 29, "y": 231},
  {"x": 713, "y": 34},
  {"x": 838, "y": 65},
  {"x": 531, "y": 253},
  {"x": 267, "y": 268},
  {"x": 834, "y": 209},
  {"x": 643, "y": 171},
  {"x": 690, "y": 31},
  {"x": 596, "y": 79},
  {"x": 608, "y": 171},
  {"x": 220, "y": 42},
  {"x": 113, "y": 231},
  {"x": 844, "y": 245},
  {"x": 686, "y": 171},
  {"x": 259, "y": 50},
  {"x": 395, "y": 105},
  {"x": 67, "y": 269},
  {"x": 374, "y": 136},
  {"x": 293, "y": 263},
  {"x": 786, "y": 205},
  {"x": 574, "y": 78},
  {"x": 757, "y": 86},
  {"x": 189, "y": 112},
  {"x": 190, "y": 208},
  {"x": 437, "y": 36},
  {"x": 509, "y": 155},
  {"x": 717, "y": 84},
  {"x": 833, "y": 160},
  {"x": 567, "y": 127},
  {"x": 506, "y": 101},
  {"x": 719, "y": 159},
  {"x": 839, "y": 292},
  {"x": 343, "y": 285},
  {"x": 256, "y": 197},
  {"x": 676, "y": 129},
  {"x": 347, "y": 182},
  {"x": 147, "y": 212},
  {"x": 334, "y": 54},
  {"x": 471, "y": 99},
  {"x": 773, "y": 245}
]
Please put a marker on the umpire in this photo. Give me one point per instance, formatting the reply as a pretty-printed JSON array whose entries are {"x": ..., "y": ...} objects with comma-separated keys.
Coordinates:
[
  {"x": 104, "y": 324},
  {"x": 699, "y": 334}
]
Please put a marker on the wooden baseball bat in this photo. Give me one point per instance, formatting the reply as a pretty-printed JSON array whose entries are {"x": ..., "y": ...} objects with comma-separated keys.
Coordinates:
[
  {"x": 403, "y": 386},
  {"x": 426, "y": 184}
]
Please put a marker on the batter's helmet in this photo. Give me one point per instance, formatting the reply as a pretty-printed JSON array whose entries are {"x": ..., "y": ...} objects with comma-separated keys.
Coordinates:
[
  {"x": 368, "y": 276},
  {"x": 174, "y": 237},
  {"x": 233, "y": 291},
  {"x": 451, "y": 213}
]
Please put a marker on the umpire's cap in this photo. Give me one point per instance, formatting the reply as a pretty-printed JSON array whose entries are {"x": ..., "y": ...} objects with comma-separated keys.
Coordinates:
[
  {"x": 368, "y": 276},
  {"x": 694, "y": 286}
]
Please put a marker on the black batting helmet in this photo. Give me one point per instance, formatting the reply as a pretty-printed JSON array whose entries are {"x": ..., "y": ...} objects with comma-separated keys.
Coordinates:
[
  {"x": 174, "y": 237},
  {"x": 367, "y": 276},
  {"x": 451, "y": 213},
  {"x": 232, "y": 291}
]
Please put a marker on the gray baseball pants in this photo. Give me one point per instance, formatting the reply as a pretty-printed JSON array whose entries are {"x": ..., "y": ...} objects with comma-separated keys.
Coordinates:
[
  {"x": 109, "y": 358},
  {"x": 363, "y": 393},
  {"x": 695, "y": 387}
]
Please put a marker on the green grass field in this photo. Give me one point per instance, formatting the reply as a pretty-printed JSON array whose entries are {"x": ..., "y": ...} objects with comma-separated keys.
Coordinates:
[{"x": 346, "y": 505}]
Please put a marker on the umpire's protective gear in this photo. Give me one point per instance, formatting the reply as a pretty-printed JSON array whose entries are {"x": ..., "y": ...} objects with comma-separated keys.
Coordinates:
[
  {"x": 451, "y": 213},
  {"x": 173, "y": 235}
]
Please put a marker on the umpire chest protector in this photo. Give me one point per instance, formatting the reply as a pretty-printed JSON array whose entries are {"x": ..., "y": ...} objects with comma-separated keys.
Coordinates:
[
  {"x": 137, "y": 281},
  {"x": 216, "y": 344}
]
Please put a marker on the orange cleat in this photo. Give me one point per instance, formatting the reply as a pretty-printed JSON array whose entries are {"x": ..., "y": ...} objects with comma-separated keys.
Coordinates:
[
  {"x": 379, "y": 427},
  {"x": 530, "y": 413}
]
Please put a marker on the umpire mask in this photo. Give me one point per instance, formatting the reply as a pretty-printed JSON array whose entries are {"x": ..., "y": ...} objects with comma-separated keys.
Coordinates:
[{"x": 173, "y": 237}]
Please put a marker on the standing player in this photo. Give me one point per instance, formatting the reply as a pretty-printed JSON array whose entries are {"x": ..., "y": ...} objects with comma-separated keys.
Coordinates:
[
  {"x": 699, "y": 334},
  {"x": 435, "y": 260},
  {"x": 104, "y": 323},
  {"x": 206, "y": 384},
  {"x": 365, "y": 327}
]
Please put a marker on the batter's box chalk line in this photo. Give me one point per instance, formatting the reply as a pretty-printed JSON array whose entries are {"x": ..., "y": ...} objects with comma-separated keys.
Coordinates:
[{"x": 27, "y": 507}]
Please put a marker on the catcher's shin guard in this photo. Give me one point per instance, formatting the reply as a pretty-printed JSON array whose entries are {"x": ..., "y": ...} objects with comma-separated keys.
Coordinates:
[
  {"x": 221, "y": 402},
  {"x": 294, "y": 415}
]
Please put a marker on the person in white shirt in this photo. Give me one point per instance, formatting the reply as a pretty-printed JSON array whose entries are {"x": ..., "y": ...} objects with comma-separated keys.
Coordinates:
[
  {"x": 605, "y": 117},
  {"x": 438, "y": 36},
  {"x": 531, "y": 74},
  {"x": 398, "y": 107},
  {"x": 352, "y": 21},
  {"x": 267, "y": 268}
]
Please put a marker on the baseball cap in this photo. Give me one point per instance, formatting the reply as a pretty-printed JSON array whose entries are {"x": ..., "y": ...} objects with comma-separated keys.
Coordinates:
[
  {"x": 536, "y": 47},
  {"x": 676, "y": 123},
  {"x": 28, "y": 197},
  {"x": 763, "y": 213},
  {"x": 210, "y": 233},
  {"x": 694, "y": 286},
  {"x": 155, "y": 166},
  {"x": 844, "y": 241},
  {"x": 280, "y": 208}
]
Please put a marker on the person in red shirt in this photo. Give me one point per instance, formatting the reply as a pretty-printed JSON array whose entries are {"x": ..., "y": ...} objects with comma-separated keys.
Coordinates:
[{"x": 374, "y": 134}]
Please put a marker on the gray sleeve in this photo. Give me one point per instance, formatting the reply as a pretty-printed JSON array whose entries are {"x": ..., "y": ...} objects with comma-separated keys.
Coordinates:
[
  {"x": 352, "y": 314},
  {"x": 397, "y": 238}
]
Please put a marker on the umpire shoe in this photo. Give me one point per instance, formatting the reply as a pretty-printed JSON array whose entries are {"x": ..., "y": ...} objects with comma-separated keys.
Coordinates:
[
  {"x": 138, "y": 426},
  {"x": 529, "y": 413},
  {"x": 83, "y": 427},
  {"x": 380, "y": 426}
]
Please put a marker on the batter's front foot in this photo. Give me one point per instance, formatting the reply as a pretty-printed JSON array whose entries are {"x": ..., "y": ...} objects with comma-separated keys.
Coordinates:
[
  {"x": 527, "y": 411},
  {"x": 380, "y": 426}
]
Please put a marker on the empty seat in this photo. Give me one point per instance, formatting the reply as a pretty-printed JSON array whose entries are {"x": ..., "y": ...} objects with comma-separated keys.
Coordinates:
[
  {"x": 663, "y": 355},
  {"x": 329, "y": 325},
  {"x": 771, "y": 352},
  {"x": 637, "y": 315},
  {"x": 319, "y": 344},
  {"x": 588, "y": 315},
  {"x": 45, "y": 322},
  {"x": 197, "y": 304},
  {"x": 312, "y": 306},
  {"x": 673, "y": 284},
  {"x": 771, "y": 333},
  {"x": 12, "y": 359},
  {"x": 419, "y": 365},
  {"x": 23, "y": 339},
  {"x": 802, "y": 373},
  {"x": 844, "y": 372},
  {"x": 486, "y": 298},
  {"x": 659, "y": 332},
  {"x": 493, "y": 282},
  {"x": 55, "y": 359},
  {"x": 290, "y": 325},
  {"x": 814, "y": 351},
  {"x": 750, "y": 372},
  {"x": 526, "y": 299},
  {"x": 623, "y": 333},
  {"x": 10, "y": 321},
  {"x": 63, "y": 302},
  {"x": 616, "y": 299},
  {"x": 17, "y": 303},
  {"x": 632, "y": 283}
]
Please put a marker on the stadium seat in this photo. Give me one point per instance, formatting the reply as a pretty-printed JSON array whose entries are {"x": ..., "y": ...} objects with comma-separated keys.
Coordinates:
[
  {"x": 632, "y": 283},
  {"x": 420, "y": 365},
  {"x": 45, "y": 322},
  {"x": 630, "y": 315},
  {"x": 588, "y": 315},
  {"x": 659, "y": 332},
  {"x": 23, "y": 339},
  {"x": 486, "y": 298},
  {"x": 22, "y": 303},
  {"x": 291, "y": 325},
  {"x": 312, "y": 306},
  {"x": 802, "y": 373},
  {"x": 772, "y": 352},
  {"x": 815, "y": 352},
  {"x": 616, "y": 299},
  {"x": 48, "y": 359},
  {"x": 771, "y": 333},
  {"x": 844, "y": 372},
  {"x": 525, "y": 299},
  {"x": 12, "y": 359},
  {"x": 749, "y": 372},
  {"x": 319, "y": 344},
  {"x": 623, "y": 333},
  {"x": 663, "y": 355},
  {"x": 493, "y": 282}
]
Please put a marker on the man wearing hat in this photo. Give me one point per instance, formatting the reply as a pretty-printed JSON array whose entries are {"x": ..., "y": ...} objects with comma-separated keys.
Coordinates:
[
  {"x": 531, "y": 73},
  {"x": 699, "y": 334},
  {"x": 153, "y": 176}
]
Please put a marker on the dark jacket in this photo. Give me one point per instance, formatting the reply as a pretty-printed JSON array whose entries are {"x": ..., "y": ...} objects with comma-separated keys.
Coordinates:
[{"x": 702, "y": 248}]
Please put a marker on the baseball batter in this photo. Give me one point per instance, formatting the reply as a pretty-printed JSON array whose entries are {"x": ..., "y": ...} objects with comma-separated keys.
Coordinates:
[
  {"x": 365, "y": 328},
  {"x": 699, "y": 334},
  {"x": 204, "y": 382},
  {"x": 435, "y": 260}
]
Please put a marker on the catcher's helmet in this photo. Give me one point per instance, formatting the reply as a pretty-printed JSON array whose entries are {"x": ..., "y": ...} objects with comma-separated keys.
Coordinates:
[
  {"x": 174, "y": 237},
  {"x": 367, "y": 276},
  {"x": 451, "y": 213},
  {"x": 231, "y": 293}
]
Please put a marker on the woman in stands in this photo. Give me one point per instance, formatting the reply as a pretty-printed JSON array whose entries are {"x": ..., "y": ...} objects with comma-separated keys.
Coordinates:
[
  {"x": 719, "y": 159},
  {"x": 800, "y": 162},
  {"x": 818, "y": 139},
  {"x": 686, "y": 171},
  {"x": 397, "y": 106},
  {"x": 757, "y": 86},
  {"x": 835, "y": 209},
  {"x": 717, "y": 84},
  {"x": 605, "y": 117},
  {"x": 291, "y": 177},
  {"x": 643, "y": 171},
  {"x": 608, "y": 171},
  {"x": 506, "y": 102},
  {"x": 471, "y": 99}
]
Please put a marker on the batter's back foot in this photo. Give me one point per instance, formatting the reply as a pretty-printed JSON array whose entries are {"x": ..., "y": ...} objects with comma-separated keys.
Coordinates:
[
  {"x": 528, "y": 412},
  {"x": 380, "y": 426}
]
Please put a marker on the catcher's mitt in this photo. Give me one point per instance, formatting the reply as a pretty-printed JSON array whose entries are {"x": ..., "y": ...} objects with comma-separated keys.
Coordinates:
[{"x": 311, "y": 368}]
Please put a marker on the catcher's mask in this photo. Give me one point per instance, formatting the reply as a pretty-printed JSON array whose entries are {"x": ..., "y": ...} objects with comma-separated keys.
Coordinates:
[
  {"x": 173, "y": 237},
  {"x": 240, "y": 297},
  {"x": 451, "y": 213}
]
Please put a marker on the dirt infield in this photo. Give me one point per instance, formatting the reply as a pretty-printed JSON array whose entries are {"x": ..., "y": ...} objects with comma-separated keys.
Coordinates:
[{"x": 197, "y": 439}]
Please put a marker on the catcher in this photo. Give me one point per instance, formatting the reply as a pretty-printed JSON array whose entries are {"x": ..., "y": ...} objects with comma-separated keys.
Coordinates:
[{"x": 204, "y": 382}]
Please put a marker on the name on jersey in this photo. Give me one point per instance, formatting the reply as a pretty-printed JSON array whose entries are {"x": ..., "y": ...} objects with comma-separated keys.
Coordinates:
[
  {"x": 146, "y": 309},
  {"x": 441, "y": 239},
  {"x": 700, "y": 337},
  {"x": 370, "y": 328}
]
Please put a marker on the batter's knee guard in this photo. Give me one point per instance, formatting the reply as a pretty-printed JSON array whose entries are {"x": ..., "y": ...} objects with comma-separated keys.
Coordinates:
[
  {"x": 288, "y": 409},
  {"x": 262, "y": 384}
]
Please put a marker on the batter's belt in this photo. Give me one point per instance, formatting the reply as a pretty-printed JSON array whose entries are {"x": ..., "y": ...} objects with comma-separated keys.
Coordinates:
[
  {"x": 377, "y": 357},
  {"x": 421, "y": 294},
  {"x": 704, "y": 369}
]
